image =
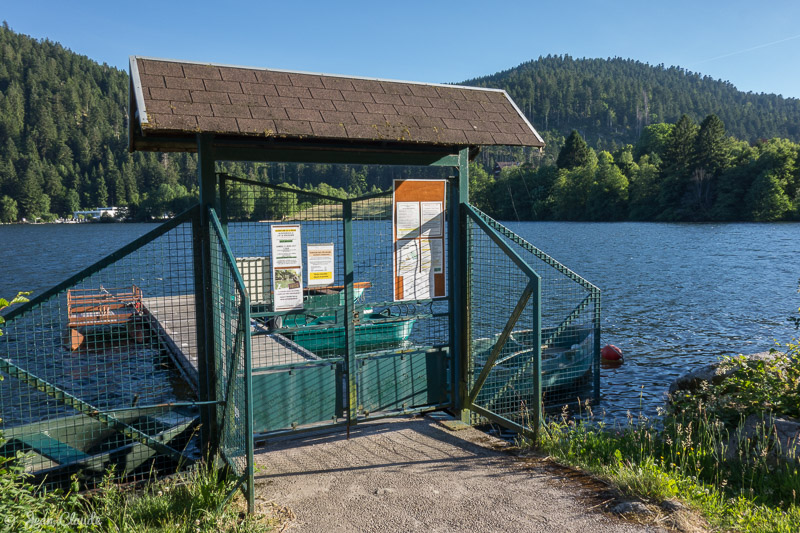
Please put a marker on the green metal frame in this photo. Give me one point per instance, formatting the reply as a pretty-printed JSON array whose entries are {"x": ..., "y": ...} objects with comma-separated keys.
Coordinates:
[
  {"x": 242, "y": 337},
  {"x": 593, "y": 296},
  {"x": 533, "y": 288}
]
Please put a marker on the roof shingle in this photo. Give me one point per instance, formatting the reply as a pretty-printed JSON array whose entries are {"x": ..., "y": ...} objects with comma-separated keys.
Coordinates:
[{"x": 176, "y": 98}]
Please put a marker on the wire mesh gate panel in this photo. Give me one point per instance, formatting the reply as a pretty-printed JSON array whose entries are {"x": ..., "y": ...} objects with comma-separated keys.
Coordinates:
[
  {"x": 520, "y": 345},
  {"x": 96, "y": 369},
  {"x": 231, "y": 317},
  {"x": 349, "y": 352}
]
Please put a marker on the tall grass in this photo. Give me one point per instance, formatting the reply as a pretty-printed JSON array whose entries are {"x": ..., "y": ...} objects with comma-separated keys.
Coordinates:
[
  {"x": 696, "y": 452},
  {"x": 192, "y": 501}
]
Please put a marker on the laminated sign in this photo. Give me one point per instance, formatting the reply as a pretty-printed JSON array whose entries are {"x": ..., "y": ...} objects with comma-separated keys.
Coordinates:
[
  {"x": 320, "y": 264},
  {"x": 287, "y": 267},
  {"x": 418, "y": 234}
]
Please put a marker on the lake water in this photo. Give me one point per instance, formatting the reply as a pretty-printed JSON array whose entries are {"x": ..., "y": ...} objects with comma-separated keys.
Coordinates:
[{"x": 675, "y": 296}]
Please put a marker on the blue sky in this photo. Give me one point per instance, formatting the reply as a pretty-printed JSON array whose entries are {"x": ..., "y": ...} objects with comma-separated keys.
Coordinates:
[{"x": 755, "y": 46}]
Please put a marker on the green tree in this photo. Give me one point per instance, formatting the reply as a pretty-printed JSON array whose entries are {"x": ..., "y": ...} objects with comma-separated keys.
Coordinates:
[
  {"x": 481, "y": 186},
  {"x": 643, "y": 190},
  {"x": 711, "y": 147},
  {"x": 766, "y": 200},
  {"x": 608, "y": 195},
  {"x": 8, "y": 209},
  {"x": 576, "y": 153}
]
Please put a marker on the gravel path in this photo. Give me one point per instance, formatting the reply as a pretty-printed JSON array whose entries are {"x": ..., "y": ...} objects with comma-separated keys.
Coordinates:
[{"x": 413, "y": 474}]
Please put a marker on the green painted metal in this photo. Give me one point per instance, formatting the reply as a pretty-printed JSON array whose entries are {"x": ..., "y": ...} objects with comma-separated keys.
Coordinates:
[
  {"x": 86, "y": 408},
  {"x": 402, "y": 381},
  {"x": 232, "y": 357},
  {"x": 459, "y": 304},
  {"x": 203, "y": 296},
  {"x": 296, "y": 397},
  {"x": 349, "y": 312},
  {"x": 503, "y": 421},
  {"x": 597, "y": 295},
  {"x": 538, "y": 362},
  {"x": 150, "y": 236},
  {"x": 535, "y": 251},
  {"x": 333, "y": 153},
  {"x": 497, "y": 238},
  {"x": 501, "y": 341}
]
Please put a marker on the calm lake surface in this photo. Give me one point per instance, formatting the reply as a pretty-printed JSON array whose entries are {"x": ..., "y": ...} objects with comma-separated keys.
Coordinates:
[{"x": 675, "y": 296}]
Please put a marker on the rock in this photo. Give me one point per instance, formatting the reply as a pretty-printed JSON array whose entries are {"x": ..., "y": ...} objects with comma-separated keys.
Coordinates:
[
  {"x": 710, "y": 373},
  {"x": 631, "y": 507},
  {"x": 672, "y": 506},
  {"x": 780, "y": 435}
]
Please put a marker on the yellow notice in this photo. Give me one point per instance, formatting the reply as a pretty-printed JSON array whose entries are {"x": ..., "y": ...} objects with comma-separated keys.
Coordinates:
[{"x": 320, "y": 264}]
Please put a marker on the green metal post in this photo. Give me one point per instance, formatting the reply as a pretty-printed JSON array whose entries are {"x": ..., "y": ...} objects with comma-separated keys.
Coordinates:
[
  {"x": 596, "y": 369},
  {"x": 349, "y": 318},
  {"x": 459, "y": 301},
  {"x": 537, "y": 362},
  {"x": 206, "y": 363}
]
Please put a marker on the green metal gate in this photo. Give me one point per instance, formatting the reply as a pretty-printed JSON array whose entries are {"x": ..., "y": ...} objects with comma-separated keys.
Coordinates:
[
  {"x": 533, "y": 331},
  {"x": 351, "y": 352}
]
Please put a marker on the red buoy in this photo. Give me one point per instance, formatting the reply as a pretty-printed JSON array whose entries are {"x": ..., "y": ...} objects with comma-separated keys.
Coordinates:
[{"x": 611, "y": 353}]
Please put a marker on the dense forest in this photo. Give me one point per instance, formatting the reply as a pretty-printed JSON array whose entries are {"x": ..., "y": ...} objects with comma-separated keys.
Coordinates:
[
  {"x": 63, "y": 143},
  {"x": 675, "y": 172},
  {"x": 611, "y": 101}
]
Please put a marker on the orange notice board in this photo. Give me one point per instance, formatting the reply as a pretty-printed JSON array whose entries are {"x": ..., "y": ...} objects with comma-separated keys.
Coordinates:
[{"x": 418, "y": 230}]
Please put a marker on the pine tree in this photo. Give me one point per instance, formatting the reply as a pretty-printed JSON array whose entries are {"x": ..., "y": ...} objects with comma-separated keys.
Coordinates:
[{"x": 576, "y": 153}]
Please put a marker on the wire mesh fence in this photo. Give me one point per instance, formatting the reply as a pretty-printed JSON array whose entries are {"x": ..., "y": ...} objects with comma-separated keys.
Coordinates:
[
  {"x": 297, "y": 347},
  {"x": 98, "y": 371},
  {"x": 401, "y": 347},
  {"x": 569, "y": 334},
  {"x": 231, "y": 318},
  {"x": 304, "y": 371}
]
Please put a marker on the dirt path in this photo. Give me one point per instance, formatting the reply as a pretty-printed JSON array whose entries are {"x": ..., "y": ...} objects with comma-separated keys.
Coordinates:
[{"x": 415, "y": 475}]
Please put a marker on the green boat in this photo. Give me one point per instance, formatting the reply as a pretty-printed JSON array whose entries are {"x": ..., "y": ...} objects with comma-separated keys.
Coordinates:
[
  {"x": 56, "y": 449},
  {"x": 321, "y": 335},
  {"x": 318, "y": 326},
  {"x": 566, "y": 360}
]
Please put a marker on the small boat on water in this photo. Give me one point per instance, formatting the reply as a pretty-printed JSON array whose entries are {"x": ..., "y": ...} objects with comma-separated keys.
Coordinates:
[
  {"x": 374, "y": 331},
  {"x": 80, "y": 444},
  {"x": 566, "y": 359},
  {"x": 319, "y": 326}
]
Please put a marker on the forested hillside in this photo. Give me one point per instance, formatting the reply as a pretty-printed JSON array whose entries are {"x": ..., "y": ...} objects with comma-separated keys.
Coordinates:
[
  {"x": 612, "y": 100},
  {"x": 63, "y": 144},
  {"x": 675, "y": 172},
  {"x": 63, "y": 139}
]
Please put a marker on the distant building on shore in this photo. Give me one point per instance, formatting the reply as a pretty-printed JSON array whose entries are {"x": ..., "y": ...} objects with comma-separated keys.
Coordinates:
[{"x": 97, "y": 212}]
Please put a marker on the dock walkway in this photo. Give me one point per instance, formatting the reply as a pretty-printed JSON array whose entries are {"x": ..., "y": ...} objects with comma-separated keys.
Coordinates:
[{"x": 174, "y": 319}]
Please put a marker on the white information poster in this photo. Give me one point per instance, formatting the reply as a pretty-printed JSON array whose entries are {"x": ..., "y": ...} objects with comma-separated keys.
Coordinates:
[
  {"x": 407, "y": 221},
  {"x": 418, "y": 285},
  {"x": 418, "y": 221},
  {"x": 320, "y": 264},
  {"x": 432, "y": 218},
  {"x": 407, "y": 257},
  {"x": 432, "y": 255},
  {"x": 287, "y": 267}
]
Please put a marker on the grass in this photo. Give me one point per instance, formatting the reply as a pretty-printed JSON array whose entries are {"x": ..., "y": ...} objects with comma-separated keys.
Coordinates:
[
  {"x": 192, "y": 501},
  {"x": 696, "y": 451}
]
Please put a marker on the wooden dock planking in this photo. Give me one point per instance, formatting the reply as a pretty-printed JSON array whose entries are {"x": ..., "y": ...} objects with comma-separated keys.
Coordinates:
[{"x": 173, "y": 317}]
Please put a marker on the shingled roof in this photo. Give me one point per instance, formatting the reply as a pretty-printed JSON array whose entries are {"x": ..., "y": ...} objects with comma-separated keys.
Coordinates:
[{"x": 178, "y": 99}]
